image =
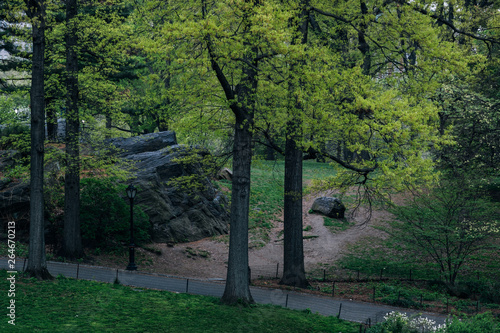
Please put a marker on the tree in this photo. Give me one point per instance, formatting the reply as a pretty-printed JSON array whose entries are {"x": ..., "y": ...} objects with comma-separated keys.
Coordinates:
[
  {"x": 37, "y": 265},
  {"x": 72, "y": 240},
  {"x": 293, "y": 249},
  {"x": 447, "y": 225},
  {"x": 242, "y": 103}
]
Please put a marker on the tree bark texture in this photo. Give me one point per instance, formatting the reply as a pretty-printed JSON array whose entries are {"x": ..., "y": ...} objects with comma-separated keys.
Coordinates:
[
  {"x": 293, "y": 255},
  {"x": 72, "y": 243},
  {"x": 237, "y": 287},
  {"x": 37, "y": 265},
  {"x": 293, "y": 269}
]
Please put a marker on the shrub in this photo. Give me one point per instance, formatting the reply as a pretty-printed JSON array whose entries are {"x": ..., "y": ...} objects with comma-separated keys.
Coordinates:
[
  {"x": 480, "y": 323},
  {"x": 396, "y": 322},
  {"x": 105, "y": 215}
]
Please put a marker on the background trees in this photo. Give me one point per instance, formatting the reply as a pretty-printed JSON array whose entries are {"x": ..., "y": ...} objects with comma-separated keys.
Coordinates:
[{"x": 377, "y": 87}]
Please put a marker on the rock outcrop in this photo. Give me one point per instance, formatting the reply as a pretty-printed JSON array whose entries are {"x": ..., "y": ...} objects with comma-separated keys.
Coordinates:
[{"x": 176, "y": 215}]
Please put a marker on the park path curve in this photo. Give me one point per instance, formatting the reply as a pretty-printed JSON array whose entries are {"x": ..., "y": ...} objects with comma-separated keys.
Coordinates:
[{"x": 354, "y": 311}]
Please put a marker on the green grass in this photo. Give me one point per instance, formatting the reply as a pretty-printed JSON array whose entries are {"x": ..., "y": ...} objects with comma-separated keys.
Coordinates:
[
  {"x": 266, "y": 196},
  {"x": 68, "y": 305}
]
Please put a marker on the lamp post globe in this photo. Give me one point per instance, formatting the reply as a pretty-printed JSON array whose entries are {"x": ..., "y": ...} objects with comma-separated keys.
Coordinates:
[{"x": 131, "y": 192}]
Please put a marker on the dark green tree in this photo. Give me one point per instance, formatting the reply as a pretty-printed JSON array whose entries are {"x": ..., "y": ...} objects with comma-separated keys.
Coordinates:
[{"x": 37, "y": 265}]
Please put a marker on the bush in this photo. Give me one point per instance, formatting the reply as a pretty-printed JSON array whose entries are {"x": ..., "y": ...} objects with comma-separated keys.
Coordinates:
[
  {"x": 396, "y": 322},
  {"x": 480, "y": 323},
  {"x": 105, "y": 215}
]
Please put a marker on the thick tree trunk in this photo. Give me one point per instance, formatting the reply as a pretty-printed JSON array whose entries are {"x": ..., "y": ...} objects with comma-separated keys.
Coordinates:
[
  {"x": 237, "y": 282},
  {"x": 37, "y": 265},
  {"x": 293, "y": 269},
  {"x": 363, "y": 46},
  {"x": 237, "y": 289},
  {"x": 72, "y": 242},
  {"x": 293, "y": 256}
]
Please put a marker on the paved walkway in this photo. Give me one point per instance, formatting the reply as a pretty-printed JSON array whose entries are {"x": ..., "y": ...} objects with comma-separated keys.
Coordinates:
[{"x": 354, "y": 311}]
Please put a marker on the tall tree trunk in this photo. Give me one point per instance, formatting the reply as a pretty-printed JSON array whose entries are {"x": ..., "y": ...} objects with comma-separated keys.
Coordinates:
[
  {"x": 37, "y": 265},
  {"x": 293, "y": 256},
  {"x": 237, "y": 287},
  {"x": 242, "y": 103},
  {"x": 293, "y": 269},
  {"x": 364, "y": 47},
  {"x": 72, "y": 242}
]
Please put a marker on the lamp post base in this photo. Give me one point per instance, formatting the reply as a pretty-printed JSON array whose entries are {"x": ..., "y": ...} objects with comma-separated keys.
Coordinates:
[
  {"x": 131, "y": 262},
  {"x": 131, "y": 267}
]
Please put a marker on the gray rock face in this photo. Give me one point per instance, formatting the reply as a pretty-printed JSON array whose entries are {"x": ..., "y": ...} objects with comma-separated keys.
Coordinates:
[
  {"x": 331, "y": 207},
  {"x": 175, "y": 215}
]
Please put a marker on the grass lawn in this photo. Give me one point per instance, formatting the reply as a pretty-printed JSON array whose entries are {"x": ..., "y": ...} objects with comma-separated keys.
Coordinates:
[
  {"x": 266, "y": 196},
  {"x": 68, "y": 305}
]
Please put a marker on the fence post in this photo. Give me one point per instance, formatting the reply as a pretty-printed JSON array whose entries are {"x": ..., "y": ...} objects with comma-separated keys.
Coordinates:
[
  {"x": 286, "y": 302},
  {"x": 324, "y": 275},
  {"x": 24, "y": 264},
  {"x": 187, "y": 285},
  {"x": 77, "y": 270},
  {"x": 277, "y": 269},
  {"x": 421, "y": 299},
  {"x": 374, "y": 294},
  {"x": 340, "y": 310},
  {"x": 333, "y": 289}
]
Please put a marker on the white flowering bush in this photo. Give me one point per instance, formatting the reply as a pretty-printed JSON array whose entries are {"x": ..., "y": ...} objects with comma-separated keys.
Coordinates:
[{"x": 397, "y": 322}]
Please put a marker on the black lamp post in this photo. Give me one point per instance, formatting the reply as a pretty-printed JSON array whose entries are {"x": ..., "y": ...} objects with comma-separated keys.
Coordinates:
[{"x": 131, "y": 192}]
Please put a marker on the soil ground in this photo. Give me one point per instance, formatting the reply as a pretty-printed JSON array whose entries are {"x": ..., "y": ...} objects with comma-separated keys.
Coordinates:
[{"x": 207, "y": 258}]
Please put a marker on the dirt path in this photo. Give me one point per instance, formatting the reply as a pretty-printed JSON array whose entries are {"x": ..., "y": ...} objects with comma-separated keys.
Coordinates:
[{"x": 207, "y": 258}]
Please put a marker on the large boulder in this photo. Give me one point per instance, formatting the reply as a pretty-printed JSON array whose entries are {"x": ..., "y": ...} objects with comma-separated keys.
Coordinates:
[
  {"x": 176, "y": 215},
  {"x": 329, "y": 206}
]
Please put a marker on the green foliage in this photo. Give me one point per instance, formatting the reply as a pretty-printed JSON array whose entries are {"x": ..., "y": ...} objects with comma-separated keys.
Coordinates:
[
  {"x": 16, "y": 137},
  {"x": 476, "y": 324},
  {"x": 105, "y": 215},
  {"x": 447, "y": 225},
  {"x": 396, "y": 322},
  {"x": 14, "y": 108},
  {"x": 80, "y": 306},
  {"x": 198, "y": 166}
]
